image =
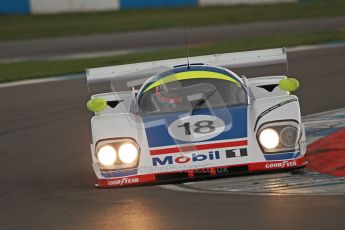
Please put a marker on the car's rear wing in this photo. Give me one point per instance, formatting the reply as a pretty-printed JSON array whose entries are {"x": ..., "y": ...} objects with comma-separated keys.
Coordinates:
[{"x": 138, "y": 72}]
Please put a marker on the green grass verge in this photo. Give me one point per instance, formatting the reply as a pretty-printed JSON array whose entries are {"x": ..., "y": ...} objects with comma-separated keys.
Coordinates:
[
  {"x": 38, "y": 69},
  {"x": 28, "y": 26}
]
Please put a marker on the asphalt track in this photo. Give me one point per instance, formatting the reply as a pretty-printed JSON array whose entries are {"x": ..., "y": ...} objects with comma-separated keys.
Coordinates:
[
  {"x": 47, "y": 181},
  {"x": 105, "y": 43}
]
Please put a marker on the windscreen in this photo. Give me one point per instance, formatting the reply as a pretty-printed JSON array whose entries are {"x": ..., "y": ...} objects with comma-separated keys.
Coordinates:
[{"x": 192, "y": 94}]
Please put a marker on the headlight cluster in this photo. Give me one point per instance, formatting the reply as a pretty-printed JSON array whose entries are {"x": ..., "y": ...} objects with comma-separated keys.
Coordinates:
[
  {"x": 107, "y": 155},
  {"x": 279, "y": 136},
  {"x": 117, "y": 153}
]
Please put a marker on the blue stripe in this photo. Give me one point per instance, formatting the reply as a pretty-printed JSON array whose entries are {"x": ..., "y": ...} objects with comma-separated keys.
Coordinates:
[
  {"x": 136, "y": 4},
  {"x": 120, "y": 173},
  {"x": 14, "y": 7},
  {"x": 315, "y": 132},
  {"x": 158, "y": 135},
  {"x": 281, "y": 156}
]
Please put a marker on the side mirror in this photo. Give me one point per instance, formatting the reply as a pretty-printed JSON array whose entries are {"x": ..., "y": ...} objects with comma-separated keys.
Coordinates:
[
  {"x": 289, "y": 84},
  {"x": 96, "y": 104}
]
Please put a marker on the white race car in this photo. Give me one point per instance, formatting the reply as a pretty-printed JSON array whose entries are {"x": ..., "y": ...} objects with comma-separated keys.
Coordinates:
[{"x": 191, "y": 120}]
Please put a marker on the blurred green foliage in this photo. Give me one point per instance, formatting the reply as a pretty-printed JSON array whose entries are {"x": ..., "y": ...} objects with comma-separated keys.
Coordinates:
[
  {"x": 38, "y": 26},
  {"x": 38, "y": 69}
]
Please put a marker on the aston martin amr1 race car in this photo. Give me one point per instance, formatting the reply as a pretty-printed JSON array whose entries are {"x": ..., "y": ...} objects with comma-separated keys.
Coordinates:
[{"x": 180, "y": 120}]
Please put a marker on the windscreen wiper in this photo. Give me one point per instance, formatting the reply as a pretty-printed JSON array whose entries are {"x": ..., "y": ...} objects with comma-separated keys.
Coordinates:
[{"x": 202, "y": 101}]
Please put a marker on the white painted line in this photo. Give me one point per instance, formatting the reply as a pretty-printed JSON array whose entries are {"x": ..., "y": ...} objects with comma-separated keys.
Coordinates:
[
  {"x": 179, "y": 188},
  {"x": 143, "y": 50},
  {"x": 41, "y": 80},
  {"x": 112, "y": 53},
  {"x": 286, "y": 184},
  {"x": 315, "y": 47},
  {"x": 70, "y": 56},
  {"x": 335, "y": 111},
  {"x": 70, "y": 77}
]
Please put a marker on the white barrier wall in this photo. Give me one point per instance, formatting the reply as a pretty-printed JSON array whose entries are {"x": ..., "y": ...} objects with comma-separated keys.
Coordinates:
[
  {"x": 63, "y": 6},
  {"x": 236, "y": 2}
]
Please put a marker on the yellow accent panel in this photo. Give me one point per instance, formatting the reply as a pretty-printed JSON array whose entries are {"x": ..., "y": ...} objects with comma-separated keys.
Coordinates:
[
  {"x": 191, "y": 75},
  {"x": 289, "y": 84},
  {"x": 96, "y": 104}
]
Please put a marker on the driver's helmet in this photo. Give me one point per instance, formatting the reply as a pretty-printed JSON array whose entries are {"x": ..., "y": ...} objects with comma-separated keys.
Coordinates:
[{"x": 169, "y": 93}]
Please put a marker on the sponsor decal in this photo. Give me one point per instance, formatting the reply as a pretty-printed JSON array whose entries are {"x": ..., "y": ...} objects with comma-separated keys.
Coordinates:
[
  {"x": 198, "y": 157},
  {"x": 168, "y": 160},
  {"x": 281, "y": 165},
  {"x": 123, "y": 181},
  {"x": 231, "y": 153}
]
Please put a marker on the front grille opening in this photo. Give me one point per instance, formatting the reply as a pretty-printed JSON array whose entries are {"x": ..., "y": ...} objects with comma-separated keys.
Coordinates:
[
  {"x": 232, "y": 170},
  {"x": 202, "y": 173},
  {"x": 172, "y": 176}
]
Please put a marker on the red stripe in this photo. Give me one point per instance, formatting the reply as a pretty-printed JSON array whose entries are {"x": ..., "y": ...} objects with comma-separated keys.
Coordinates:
[
  {"x": 126, "y": 181},
  {"x": 198, "y": 147},
  {"x": 150, "y": 178},
  {"x": 274, "y": 165}
]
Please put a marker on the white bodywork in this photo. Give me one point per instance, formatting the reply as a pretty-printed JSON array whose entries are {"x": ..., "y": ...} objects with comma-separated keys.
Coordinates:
[{"x": 123, "y": 121}]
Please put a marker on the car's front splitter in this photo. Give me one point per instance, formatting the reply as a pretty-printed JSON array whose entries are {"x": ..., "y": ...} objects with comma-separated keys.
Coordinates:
[{"x": 195, "y": 173}]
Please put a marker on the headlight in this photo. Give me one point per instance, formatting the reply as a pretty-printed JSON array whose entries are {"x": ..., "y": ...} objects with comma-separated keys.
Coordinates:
[
  {"x": 288, "y": 136},
  {"x": 116, "y": 154},
  {"x": 128, "y": 153},
  {"x": 277, "y": 137},
  {"x": 269, "y": 138},
  {"x": 106, "y": 155}
]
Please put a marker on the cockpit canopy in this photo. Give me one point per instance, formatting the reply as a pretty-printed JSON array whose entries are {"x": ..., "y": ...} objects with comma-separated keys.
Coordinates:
[{"x": 187, "y": 89}]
